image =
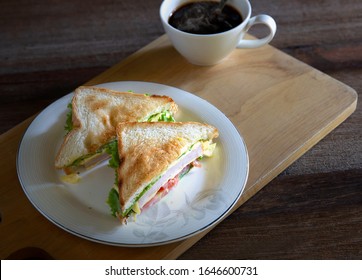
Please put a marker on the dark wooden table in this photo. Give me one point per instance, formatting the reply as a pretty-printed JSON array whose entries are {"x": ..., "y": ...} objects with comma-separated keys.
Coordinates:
[{"x": 312, "y": 210}]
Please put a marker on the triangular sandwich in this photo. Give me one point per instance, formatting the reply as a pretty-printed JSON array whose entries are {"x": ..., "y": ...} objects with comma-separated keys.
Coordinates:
[
  {"x": 95, "y": 113},
  {"x": 151, "y": 158}
]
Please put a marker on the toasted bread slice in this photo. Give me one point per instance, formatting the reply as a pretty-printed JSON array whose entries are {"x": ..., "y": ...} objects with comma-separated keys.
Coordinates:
[
  {"x": 148, "y": 150},
  {"x": 95, "y": 114}
]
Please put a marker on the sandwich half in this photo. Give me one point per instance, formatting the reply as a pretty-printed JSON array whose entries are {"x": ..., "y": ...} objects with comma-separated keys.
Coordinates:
[
  {"x": 150, "y": 160},
  {"x": 92, "y": 119}
]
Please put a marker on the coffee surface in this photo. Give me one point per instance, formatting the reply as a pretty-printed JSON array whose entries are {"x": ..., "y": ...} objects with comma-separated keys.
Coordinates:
[{"x": 205, "y": 18}]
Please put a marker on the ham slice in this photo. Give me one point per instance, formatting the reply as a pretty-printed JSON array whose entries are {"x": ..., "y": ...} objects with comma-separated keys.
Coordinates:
[{"x": 171, "y": 173}]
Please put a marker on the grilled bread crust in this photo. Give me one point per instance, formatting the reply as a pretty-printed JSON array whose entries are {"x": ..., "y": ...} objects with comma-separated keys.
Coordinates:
[
  {"x": 95, "y": 115},
  {"x": 147, "y": 149}
]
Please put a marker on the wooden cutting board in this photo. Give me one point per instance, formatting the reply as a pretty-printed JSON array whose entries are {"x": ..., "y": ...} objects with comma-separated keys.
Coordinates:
[{"x": 281, "y": 107}]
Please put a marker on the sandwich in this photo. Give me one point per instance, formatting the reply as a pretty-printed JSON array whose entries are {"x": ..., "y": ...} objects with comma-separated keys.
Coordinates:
[
  {"x": 92, "y": 119},
  {"x": 150, "y": 159}
]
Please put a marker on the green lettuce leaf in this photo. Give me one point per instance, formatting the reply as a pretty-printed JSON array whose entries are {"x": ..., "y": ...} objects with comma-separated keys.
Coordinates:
[
  {"x": 69, "y": 123},
  {"x": 113, "y": 202},
  {"x": 111, "y": 148},
  {"x": 164, "y": 116}
]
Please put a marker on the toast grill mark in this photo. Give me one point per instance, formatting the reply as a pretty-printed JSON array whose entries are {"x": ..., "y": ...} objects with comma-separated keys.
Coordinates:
[{"x": 98, "y": 104}]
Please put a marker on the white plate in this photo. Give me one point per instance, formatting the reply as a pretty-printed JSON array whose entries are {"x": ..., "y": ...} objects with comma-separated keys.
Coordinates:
[{"x": 199, "y": 201}]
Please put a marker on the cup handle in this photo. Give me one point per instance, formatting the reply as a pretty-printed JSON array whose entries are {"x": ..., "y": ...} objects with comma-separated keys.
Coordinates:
[{"x": 259, "y": 19}]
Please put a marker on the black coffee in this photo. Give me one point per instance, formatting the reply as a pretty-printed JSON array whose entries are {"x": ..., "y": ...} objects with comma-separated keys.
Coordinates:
[{"x": 205, "y": 18}]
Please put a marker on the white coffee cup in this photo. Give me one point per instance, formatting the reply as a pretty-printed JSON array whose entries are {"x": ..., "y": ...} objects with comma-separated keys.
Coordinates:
[{"x": 212, "y": 48}]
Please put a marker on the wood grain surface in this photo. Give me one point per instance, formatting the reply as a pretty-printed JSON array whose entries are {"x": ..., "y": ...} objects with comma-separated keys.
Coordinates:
[{"x": 309, "y": 211}]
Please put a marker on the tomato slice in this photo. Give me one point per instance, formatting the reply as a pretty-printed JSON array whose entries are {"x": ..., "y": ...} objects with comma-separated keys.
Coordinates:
[
  {"x": 166, "y": 188},
  {"x": 162, "y": 192}
]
